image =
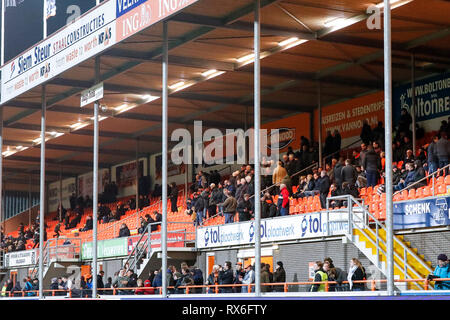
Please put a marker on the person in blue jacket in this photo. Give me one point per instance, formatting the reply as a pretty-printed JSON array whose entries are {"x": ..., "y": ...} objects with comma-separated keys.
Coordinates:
[{"x": 442, "y": 271}]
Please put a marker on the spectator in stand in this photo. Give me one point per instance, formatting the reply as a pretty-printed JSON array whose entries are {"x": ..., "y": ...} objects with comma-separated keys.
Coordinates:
[
  {"x": 407, "y": 145},
  {"x": 319, "y": 276},
  {"x": 229, "y": 207},
  {"x": 89, "y": 224},
  {"x": 410, "y": 178},
  {"x": 443, "y": 151},
  {"x": 442, "y": 271},
  {"x": 244, "y": 208},
  {"x": 405, "y": 121},
  {"x": 329, "y": 146},
  {"x": 419, "y": 174},
  {"x": 278, "y": 173},
  {"x": 378, "y": 133},
  {"x": 363, "y": 152},
  {"x": 248, "y": 279},
  {"x": 226, "y": 277},
  {"x": 409, "y": 158},
  {"x": 100, "y": 283},
  {"x": 324, "y": 188},
  {"x": 366, "y": 133},
  {"x": 356, "y": 273},
  {"x": 57, "y": 230},
  {"x": 349, "y": 174},
  {"x": 337, "y": 173},
  {"x": 422, "y": 156},
  {"x": 73, "y": 201},
  {"x": 397, "y": 151},
  {"x": 283, "y": 201},
  {"x": 432, "y": 158},
  {"x": 355, "y": 159},
  {"x": 371, "y": 164},
  {"x": 214, "y": 199},
  {"x": 268, "y": 207},
  {"x": 337, "y": 140},
  {"x": 334, "y": 192},
  {"x": 124, "y": 231},
  {"x": 173, "y": 197},
  {"x": 199, "y": 205}
]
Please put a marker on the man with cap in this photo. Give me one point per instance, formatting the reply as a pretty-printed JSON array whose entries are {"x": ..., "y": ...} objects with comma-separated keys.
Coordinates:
[
  {"x": 248, "y": 278},
  {"x": 279, "y": 276},
  {"x": 442, "y": 271},
  {"x": 238, "y": 275}
]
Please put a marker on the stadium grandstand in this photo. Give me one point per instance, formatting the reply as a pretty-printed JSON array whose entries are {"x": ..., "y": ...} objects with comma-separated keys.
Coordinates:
[{"x": 346, "y": 193}]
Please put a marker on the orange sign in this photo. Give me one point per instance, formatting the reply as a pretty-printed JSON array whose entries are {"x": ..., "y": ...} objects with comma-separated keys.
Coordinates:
[
  {"x": 290, "y": 130},
  {"x": 347, "y": 117}
]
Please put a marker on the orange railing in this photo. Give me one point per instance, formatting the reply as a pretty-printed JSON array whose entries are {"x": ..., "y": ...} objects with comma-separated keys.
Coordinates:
[{"x": 215, "y": 289}]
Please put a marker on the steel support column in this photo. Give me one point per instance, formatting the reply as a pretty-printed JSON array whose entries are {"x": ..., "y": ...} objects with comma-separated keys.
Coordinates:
[
  {"x": 319, "y": 119},
  {"x": 42, "y": 195},
  {"x": 2, "y": 218},
  {"x": 388, "y": 145},
  {"x": 165, "y": 105},
  {"x": 257, "y": 125},
  {"x": 413, "y": 102},
  {"x": 95, "y": 185}
]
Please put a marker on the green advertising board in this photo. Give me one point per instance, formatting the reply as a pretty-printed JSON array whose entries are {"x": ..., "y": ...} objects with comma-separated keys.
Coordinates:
[{"x": 106, "y": 249}]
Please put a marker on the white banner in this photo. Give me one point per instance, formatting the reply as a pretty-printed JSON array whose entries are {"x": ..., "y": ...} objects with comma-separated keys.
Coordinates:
[
  {"x": 20, "y": 258},
  {"x": 302, "y": 226},
  {"x": 68, "y": 187},
  {"x": 85, "y": 38},
  {"x": 91, "y": 95}
]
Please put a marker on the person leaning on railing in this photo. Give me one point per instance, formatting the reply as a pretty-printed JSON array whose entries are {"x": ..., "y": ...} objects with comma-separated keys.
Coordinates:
[{"x": 442, "y": 271}]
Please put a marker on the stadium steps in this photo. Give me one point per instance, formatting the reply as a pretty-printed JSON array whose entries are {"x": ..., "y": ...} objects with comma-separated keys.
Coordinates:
[{"x": 416, "y": 266}]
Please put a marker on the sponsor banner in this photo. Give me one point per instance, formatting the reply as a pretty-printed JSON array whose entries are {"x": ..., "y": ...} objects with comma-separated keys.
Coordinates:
[
  {"x": 126, "y": 174},
  {"x": 106, "y": 248},
  {"x": 295, "y": 227},
  {"x": 347, "y": 117},
  {"x": 68, "y": 187},
  {"x": 174, "y": 239},
  {"x": 290, "y": 131},
  {"x": 136, "y": 15},
  {"x": 91, "y": 95},
  {"x": 425, "y": 213},
  {"x": 172, "y": 169},
  {"x": 85, "y": 184},
  {"x": 432, "y": 98},
  {"x": 84, "y": 38},
  {"x": 21, "y": 258}
]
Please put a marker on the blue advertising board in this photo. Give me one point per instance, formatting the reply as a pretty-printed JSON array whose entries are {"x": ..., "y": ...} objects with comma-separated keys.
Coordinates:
[
  {"x": 432, "y": 98},
  {"x": 430, "y": 212}
]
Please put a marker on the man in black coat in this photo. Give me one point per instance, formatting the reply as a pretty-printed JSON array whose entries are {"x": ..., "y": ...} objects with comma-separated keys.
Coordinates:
[
  {"x": 337, "y": 173},
  {"x": 100, "y": 284},
  {"x": 324, "y": 188},
  {"x": 226, "y": 277},
  {"x": 349, "y": 173},
  {"x": 244, "y": 208},
  {"x": 371, "y": 163}
]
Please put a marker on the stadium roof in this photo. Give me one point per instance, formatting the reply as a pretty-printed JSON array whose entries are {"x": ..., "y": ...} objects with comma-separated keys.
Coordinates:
[{"x": 304, "y": 42}]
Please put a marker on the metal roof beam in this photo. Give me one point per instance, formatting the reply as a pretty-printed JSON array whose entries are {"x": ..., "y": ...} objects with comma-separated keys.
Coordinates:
[
  {"x": 74, "y": 163},
  {"x": 240, "y": 26}
]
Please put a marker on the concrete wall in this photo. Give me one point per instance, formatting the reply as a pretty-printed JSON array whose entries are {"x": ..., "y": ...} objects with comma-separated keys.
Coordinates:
[{"x": 430, "y": 244}]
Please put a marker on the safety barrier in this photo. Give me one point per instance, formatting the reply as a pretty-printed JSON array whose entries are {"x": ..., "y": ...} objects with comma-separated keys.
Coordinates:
[{"x": 215, "y": 289}]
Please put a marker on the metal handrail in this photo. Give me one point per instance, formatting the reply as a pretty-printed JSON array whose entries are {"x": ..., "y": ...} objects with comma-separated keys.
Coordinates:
[
  {"x": 423, "y": 179},
  {"x": 350, "y": 199},
  {"x": 285, "y": 286},
  {"x": 137, "y": 213}
]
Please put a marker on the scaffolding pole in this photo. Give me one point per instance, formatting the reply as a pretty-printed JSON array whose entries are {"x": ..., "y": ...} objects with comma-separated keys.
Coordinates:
[
  {"x": 257, "y": 125},
  {"x": 42, "y": 195},
  {"x": 165, "y": 105},
  {"x": 388, "y": 145}
]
